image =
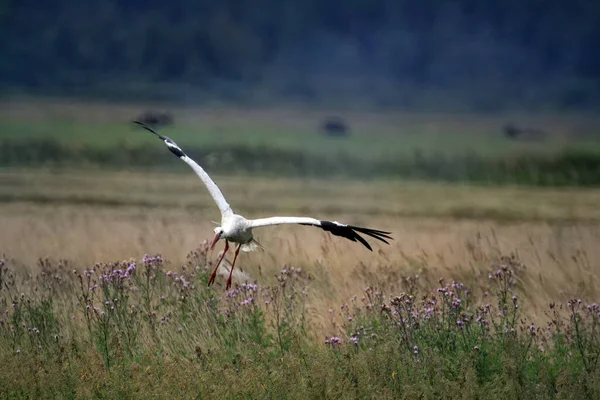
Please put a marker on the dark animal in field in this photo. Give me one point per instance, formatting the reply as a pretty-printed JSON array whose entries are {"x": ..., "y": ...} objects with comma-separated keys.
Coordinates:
[
  {"x": 156, "y": 119},
  {"x": 335, "y": 127},
  {"x": 513, "y": 132}
]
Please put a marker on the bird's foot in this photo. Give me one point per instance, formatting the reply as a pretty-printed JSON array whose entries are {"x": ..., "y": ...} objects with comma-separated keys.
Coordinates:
[
  {"x": 228, "y": 283},
  {"x": 211, "y": 280}
]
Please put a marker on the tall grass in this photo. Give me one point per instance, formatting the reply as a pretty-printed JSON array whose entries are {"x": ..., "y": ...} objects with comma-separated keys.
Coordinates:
[{"x": 143, "y": 328}]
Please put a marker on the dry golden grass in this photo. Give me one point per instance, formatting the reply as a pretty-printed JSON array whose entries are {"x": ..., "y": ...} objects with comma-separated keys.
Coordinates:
[{"x": 93, "y": 217}]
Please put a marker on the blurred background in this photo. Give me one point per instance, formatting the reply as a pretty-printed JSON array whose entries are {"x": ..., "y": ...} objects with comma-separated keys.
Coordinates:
[
  {"x": 468, "y": 128},
  {"x": 429, "y": 90},
  {"x": 468, "y": 90},
  {"x": 431, "y": 55}
]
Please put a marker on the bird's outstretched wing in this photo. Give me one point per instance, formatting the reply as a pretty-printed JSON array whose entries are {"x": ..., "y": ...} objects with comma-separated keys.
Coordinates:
[
  {"x": 347, "y": 231},
  {"x": 213, "y": 189}
]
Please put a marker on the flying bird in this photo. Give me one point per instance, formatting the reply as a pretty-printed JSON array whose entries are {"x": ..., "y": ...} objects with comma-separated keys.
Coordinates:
[{"x": 237, "y": 229}]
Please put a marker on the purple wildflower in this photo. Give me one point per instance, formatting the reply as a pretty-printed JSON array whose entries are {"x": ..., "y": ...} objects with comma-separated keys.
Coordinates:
[
  {"x": 247, "y": 301},
  {"x": 456, "y": 302},
  {"x": 532, "y": 329}
]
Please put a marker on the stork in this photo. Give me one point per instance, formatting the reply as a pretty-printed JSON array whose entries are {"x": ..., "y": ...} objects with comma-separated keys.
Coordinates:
[{"x": 237, "y": 229}]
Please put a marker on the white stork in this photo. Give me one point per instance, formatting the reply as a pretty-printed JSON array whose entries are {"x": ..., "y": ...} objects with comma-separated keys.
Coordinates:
[{"x": 237, "y": 229}]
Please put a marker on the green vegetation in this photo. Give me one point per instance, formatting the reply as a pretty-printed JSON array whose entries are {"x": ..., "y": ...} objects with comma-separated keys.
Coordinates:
[
  {"x": 383, "y": 139},
  {"x": 144, "y": 329},
  {"x": 152, "y": 329},
  {"x": 273, "y": 149}
]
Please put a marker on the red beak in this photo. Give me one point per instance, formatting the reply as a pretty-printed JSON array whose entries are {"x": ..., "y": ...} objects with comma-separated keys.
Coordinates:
[{"x": 214, "y": 241}]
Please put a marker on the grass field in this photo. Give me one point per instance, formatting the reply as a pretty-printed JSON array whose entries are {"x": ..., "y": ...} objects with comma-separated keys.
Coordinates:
[
  {"x": 96, "y": 217},
  {"x": 327, "y": 317},
  {"x": 373, "y": 135},
  {"x": 440, "y": 231},
  {"x": 288, "y": 142}
]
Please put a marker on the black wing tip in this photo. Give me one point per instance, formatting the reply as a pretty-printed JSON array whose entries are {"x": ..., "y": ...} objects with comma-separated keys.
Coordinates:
[
  {"x": 143, "y": 125},
  {"x": 170, "y": 143},
  {"x": 352, "y": 233},
  {"x": 370, "y": 230},
  {"x": 381, "y": 235},
  {"x": 146, "y": 127}
]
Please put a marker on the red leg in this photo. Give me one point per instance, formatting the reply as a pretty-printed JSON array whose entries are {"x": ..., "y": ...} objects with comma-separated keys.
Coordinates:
[
  {"x": 214, "y": 273},
  {"x": 237, "y": 251}
]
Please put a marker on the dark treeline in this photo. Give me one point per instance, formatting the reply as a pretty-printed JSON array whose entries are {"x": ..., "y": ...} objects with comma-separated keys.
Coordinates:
[{"x": 485, "y": 55}]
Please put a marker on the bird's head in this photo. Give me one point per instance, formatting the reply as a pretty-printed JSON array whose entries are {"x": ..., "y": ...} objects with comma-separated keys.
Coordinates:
[{"x": 218, "y": 235}]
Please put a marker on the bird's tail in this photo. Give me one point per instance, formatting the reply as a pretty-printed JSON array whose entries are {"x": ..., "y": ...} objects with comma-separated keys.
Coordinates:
[{"x": 252, "y": 245}]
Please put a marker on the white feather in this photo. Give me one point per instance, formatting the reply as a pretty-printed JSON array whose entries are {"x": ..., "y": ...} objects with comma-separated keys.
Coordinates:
[
  {"x": 213, "y": 189},
  {"x": 252, "y": 246},
  {"x": 257, "y": 223}
]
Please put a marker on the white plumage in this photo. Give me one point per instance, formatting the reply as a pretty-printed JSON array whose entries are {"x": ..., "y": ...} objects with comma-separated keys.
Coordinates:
[{"x": 237, "y": 229}]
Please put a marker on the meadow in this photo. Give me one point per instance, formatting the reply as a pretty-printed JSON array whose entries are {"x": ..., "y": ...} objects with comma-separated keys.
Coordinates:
[
  {"x": 486, "y": 291},
  {"x": 288, "y": 142}
]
